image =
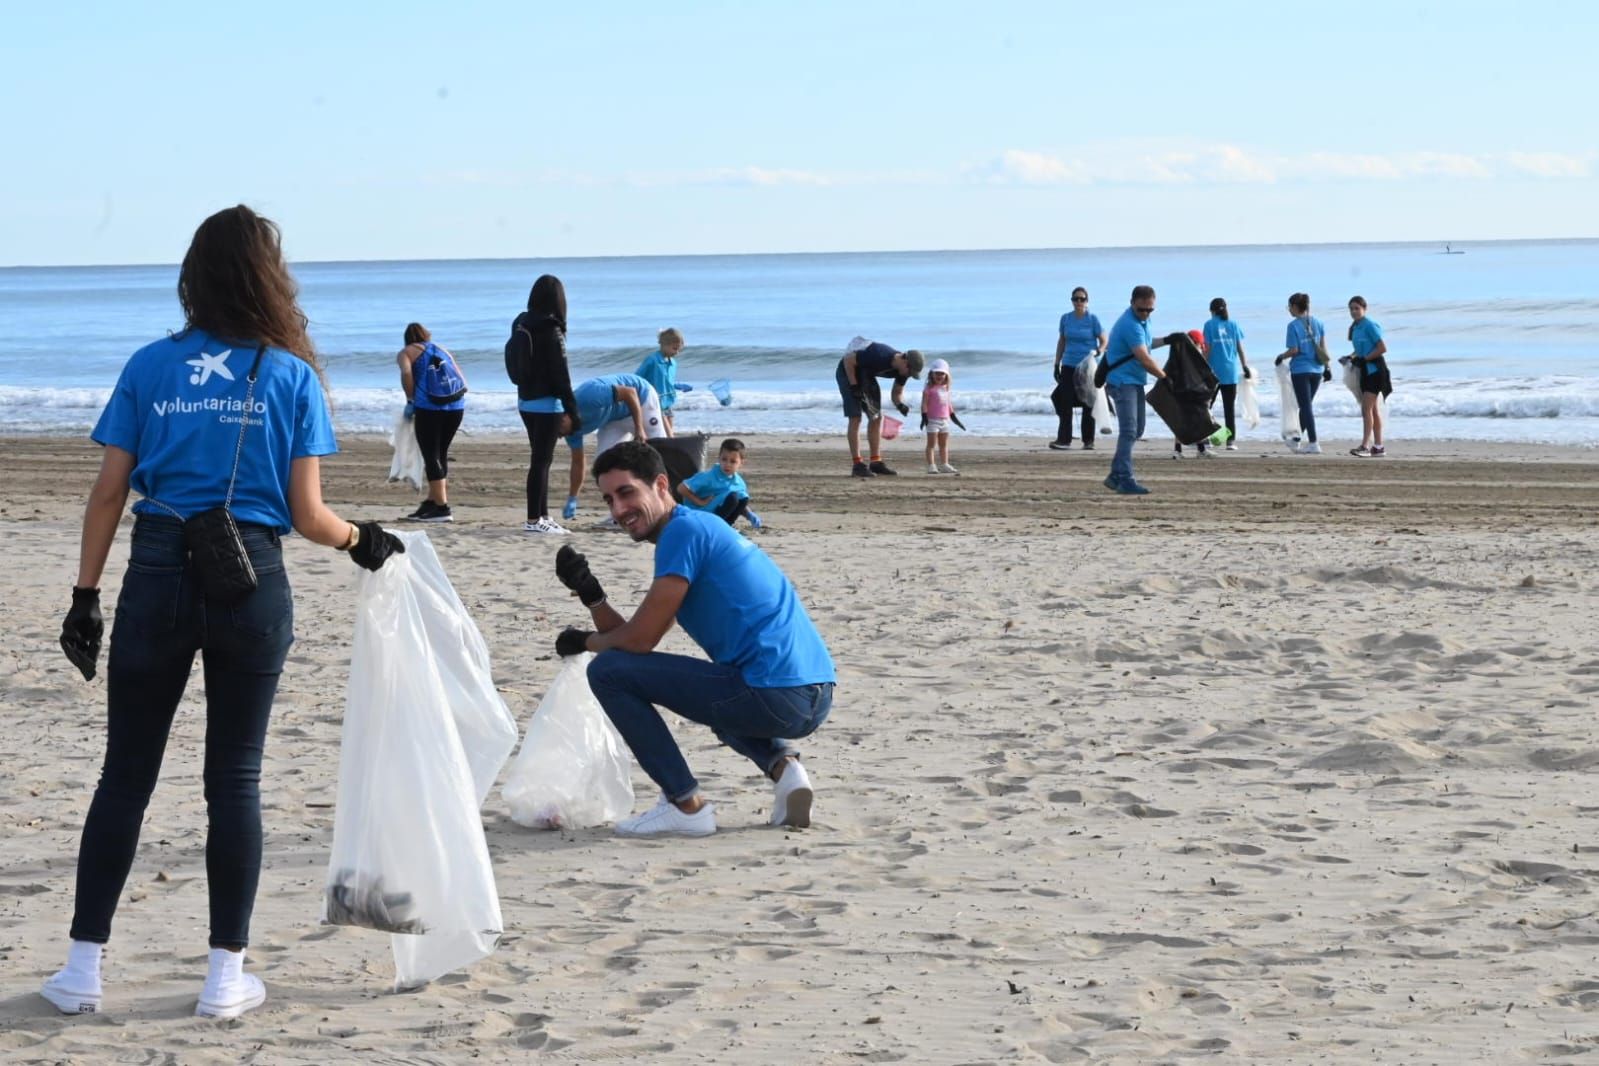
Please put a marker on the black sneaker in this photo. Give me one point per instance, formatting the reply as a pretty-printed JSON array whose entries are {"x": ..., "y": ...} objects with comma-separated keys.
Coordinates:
[
  {"x": 883, "y": 469},
  {"x": 1060, "y": 445},
  {"x": 420, "y": 514},
  {"x": 861, "y": 470},
  {"x": 1088, "y": 445},
  {"x": 437, "y": 512}
]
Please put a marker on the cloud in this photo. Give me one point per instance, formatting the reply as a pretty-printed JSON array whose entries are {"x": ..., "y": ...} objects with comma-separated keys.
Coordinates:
[{"x": 1142, "y": 163}]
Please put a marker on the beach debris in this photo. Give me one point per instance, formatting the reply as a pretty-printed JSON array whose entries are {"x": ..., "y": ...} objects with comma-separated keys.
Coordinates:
[
  {"x": 1529, "y": 582},
  {"x": 354, "y": 900}
]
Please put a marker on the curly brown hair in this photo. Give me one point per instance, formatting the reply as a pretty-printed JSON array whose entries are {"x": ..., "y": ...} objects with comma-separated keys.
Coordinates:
[{"x": 235, "y": 285}]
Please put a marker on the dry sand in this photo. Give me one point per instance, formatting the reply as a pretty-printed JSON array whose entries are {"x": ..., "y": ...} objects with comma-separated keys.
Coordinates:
[{"x": 1292, "y": 760}]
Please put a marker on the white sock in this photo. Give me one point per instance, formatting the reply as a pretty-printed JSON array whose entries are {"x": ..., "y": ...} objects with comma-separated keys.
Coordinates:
[{"x": 83, "y": 960}]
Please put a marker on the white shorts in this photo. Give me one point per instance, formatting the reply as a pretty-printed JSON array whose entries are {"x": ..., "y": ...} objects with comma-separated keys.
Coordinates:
[
  {"x": 937, "y": 425},
  {"x": 622, "y": 429}
]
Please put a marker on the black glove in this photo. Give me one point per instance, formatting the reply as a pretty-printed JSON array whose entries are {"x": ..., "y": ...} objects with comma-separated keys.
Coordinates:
[
  {"x": 80, "y": 633},
  {"x": 1057, "y": 372},
  {"x": 1248, "y": 373},
  {"x": 955, "y": 418},
  {"x": 375, "y": 546},
  {"x": 1326, "y": 375},
  {"x": 924, "y": 421},
  {"x": 572, "y": 568},
  {"x": 572, "y": 642},
  {"x": 1175, "y": 338},
  {"x": 904, "y": 409}
]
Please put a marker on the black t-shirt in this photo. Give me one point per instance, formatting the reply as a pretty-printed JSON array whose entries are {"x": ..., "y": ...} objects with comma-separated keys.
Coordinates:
[{"x": 877, "y": 360}]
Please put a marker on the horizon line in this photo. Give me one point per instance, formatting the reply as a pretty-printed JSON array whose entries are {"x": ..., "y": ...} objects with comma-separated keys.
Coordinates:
[{"x": 851, "y": 252}]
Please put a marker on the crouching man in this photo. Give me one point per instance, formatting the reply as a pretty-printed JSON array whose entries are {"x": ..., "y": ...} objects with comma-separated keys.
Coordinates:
[{"x": 769, "y": 679}]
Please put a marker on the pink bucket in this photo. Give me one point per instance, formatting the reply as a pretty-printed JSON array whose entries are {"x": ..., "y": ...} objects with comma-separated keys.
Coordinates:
[{"x": 891, "y": 427}]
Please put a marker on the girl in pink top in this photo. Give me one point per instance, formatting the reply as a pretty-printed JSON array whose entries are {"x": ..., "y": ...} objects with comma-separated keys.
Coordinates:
[{"x": 938, "y": 411}]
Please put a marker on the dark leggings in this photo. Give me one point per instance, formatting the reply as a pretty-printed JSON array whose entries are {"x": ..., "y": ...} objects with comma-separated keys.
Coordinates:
[
  {"x": 163, "y": 617},
  {"x": 1229, "y": 397},
  {"x": 730, "y": 508},
  {"x": 1064, "y": 399},
  {"x": 1305, "y": 386},
  {"x": 541, "y": 433},
  {"x": 434, "y": 432}
]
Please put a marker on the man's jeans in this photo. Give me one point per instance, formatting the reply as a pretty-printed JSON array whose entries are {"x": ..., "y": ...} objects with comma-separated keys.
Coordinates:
[
  {"x": 1129, "y": 401},
  {"x": 163, "y": 617},
  {"x": 758, "y": 723}
]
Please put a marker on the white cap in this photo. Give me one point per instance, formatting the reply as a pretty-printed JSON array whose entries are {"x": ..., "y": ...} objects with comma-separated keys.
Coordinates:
[{"x": 938, "y": 366}]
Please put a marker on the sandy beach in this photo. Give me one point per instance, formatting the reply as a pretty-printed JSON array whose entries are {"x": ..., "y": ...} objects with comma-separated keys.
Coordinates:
[{"x": 1292, "y": 760}]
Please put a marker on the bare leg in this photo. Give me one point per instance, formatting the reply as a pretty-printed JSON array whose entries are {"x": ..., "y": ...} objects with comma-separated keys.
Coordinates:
[
  {"x": 943, "y": 448},
  {"x": 874, "y": 434},
  {"x": 929, "y": 450},
  {"x": 853, "y": 434},
  {"x": 576, "y": 482},
  {"x": 1376, "y": 419},
  {"x": 437, "y": 493}
]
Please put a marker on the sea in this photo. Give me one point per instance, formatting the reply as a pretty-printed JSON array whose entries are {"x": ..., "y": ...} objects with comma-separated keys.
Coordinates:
[{"x": 1493, "y": 341}]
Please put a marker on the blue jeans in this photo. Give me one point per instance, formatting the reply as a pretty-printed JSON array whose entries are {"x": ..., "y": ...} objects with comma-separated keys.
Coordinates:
[
  {"x": 758, "y": 723},
  {"x": 1305, "y": 386},
  {"x": 163, "y": 617},
  {"x": 1129, "y": 401}
]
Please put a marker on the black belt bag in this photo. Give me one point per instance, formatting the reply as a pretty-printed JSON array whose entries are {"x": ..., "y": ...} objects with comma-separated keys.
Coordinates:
[{"x": 212, "y": 537}]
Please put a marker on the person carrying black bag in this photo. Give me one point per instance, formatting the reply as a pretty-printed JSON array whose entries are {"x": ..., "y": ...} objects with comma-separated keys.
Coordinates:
[{"x": 219, "y": 429}]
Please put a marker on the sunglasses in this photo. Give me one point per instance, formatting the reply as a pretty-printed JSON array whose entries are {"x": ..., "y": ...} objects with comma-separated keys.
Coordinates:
[
  {"x": 1144, "y": 310},
  {"x": 1079, "y": 299}
]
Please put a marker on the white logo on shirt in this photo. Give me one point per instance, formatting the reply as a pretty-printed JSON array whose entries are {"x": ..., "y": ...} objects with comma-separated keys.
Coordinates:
[{"x": 207, "y": 365}]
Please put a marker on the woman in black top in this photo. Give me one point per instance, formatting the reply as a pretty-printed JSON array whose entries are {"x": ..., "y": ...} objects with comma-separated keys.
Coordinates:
[{"x": 535, "y": 357}]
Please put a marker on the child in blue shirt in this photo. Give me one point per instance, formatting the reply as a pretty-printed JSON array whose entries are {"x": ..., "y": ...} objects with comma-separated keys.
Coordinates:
[
  {"x": 659, "y": 368},
  {"x": 721, "y": 489}
]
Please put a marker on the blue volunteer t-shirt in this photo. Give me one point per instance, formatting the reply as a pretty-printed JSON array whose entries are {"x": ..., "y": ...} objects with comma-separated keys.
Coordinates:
[
  {"x": 597, "y": 403},
  {"x": 1128, "y": 333},
  {"x": 740, "y": 608},
  {"x": 716, "y": 485},
  {"x": 1221, "y": 339},
  {"x": 1364, "y": 335},
  {"x": 176, "y": 409},
  {"x": 1303, "y": 340},
  {"x": 877, "y": 360},
  {"x": 661, "y": 373},
  {"x": 1082, "y": 336}
]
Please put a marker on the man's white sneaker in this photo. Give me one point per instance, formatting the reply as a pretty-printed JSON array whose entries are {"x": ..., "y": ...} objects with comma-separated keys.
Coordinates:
[
  {"x": 945, "y": 468},
  {"x": 1310, "y": 448},
  {"x": 229, "y": 991},
  {"x": 71, "y": 992},
  {"x": 544, "y": 525},
  {"x": 792, "y": 797},
  {"x": 664, "y": 819},
  {"x": 1231, "y": 446}
]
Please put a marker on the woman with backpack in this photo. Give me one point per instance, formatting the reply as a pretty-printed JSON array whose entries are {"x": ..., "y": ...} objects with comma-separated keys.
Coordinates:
[
  {"x": 219, "y": 429},
  {"x": 535, "y": 359},
  {"x": 435, "y": 393}
]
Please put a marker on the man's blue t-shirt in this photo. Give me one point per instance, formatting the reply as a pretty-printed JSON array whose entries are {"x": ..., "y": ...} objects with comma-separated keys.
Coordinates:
[
  {"x": 1303, "y": 340},
  {"x": 1082, "y": 336},
  {"x": 1128, "y": 333},
  {"x": 661, "y": 373},
  {"x": 716, "y": 485},
  {"x": 740, "y": 608},
  {"x": 176, "y": 409},
  {"x": 1364, "y": 335},
  {"x": 597, "y": 403},
  {"x": 876, "y": 360},
  {"x": 1221, "y": 338}
]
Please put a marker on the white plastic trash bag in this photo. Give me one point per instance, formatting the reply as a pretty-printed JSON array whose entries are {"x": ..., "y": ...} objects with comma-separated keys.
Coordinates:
[
  {"x": 407, "y": 463},
  {"x": 1290, "y": 403},
  {"x": 1251, "y": 402},
  {"x": 425, "y": 733},
  {"x": 573, "y": 769}
]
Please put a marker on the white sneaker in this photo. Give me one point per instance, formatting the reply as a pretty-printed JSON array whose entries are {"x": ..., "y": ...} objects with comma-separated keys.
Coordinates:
[
  {"x": 932, "y": 468},
  {"x": 1231, "y": 446},
  {"x": 1310, "y": 448},
  {"x": 945, "y": 468},
  {"x": 72, "y": 992},
  {"x": 1291, "y": 443},
  {"x": 543, "y": 525},
  {"x": 608, "y": 524},
  {"x": 229, "y": 991},
  {"x": 792, "y": 797},
  {"x": 664, "y": 819}
]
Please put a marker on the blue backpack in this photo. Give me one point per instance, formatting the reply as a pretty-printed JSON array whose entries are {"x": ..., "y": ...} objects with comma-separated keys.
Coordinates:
[{"x": 438, "y": 381}]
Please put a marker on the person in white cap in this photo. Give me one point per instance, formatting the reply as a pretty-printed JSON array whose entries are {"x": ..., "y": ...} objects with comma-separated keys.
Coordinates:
[{"x": 938, "y": 411}]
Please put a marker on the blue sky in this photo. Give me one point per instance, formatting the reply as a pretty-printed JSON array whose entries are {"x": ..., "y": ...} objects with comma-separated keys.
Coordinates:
[{"x": 409, "y": 130}]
